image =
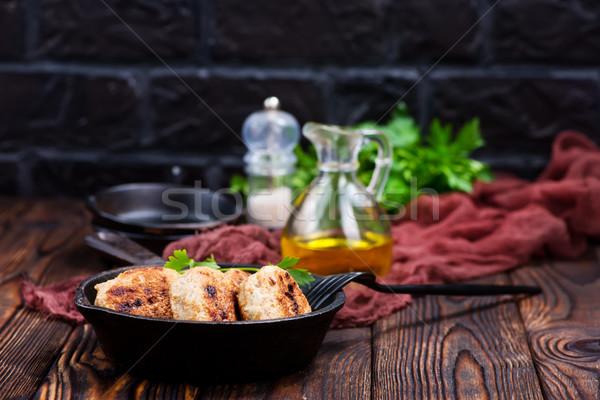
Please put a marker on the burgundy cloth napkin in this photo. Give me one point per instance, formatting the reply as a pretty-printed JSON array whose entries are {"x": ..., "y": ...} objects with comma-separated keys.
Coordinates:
[
  {"x": 56, "y": 300},
  {"x": 499, "y": 226}
]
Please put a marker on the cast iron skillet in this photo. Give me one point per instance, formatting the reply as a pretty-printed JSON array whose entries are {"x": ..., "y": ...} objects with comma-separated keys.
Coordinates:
[
  {"x": 193, "y": 351},
  {"x": 162, "y": 208}
]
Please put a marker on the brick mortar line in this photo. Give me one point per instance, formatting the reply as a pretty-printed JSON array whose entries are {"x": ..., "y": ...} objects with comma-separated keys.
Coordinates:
[
  {"x": 10, "y": 157},
  {"x": 125, "y": 157},
  {"x": 518, "y": 72},
  {"x": 303, "y": 73},
  {"x": 198, "y": 159}
]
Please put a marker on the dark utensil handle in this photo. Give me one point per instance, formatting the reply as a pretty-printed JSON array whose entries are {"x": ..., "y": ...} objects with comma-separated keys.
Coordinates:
[
  {"x": 122, "y": 248},
  {"x": 457, "y": 289}
]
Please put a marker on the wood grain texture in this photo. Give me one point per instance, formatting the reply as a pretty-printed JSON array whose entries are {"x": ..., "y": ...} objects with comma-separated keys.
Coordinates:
[
  {"x": 38, "y": 238},
  {"x": 341, "y": 370},
  {"x": 563, "y": 325},
  {"x": 44, "y": 240},
  {"x": 454, "y": 347},
  {"x": 28, "y": 347},
  {"x": 16, "y": 243},
  {"x": 38, "y": 232},
  {"x": 83, "y": 372}
]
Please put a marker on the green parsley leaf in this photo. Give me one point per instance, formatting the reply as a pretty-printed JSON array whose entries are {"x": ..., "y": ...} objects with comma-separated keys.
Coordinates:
[
  {"x": 209, "y": 262},
  {"x": 301, "y": 276},
  {"x": 179, "y": 261},
  {"x": 239, "y": 183},
  {"x": 288, "y": 262}
]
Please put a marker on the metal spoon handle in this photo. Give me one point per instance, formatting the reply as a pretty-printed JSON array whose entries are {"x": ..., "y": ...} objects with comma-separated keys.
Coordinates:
[{"x": 122, "y": 248}]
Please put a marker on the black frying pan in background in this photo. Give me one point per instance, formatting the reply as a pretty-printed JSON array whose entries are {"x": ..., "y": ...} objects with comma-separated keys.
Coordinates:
[{"x": 162, "y": 208}]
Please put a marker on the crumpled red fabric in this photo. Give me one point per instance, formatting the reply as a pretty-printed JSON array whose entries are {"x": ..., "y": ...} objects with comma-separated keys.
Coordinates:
[
  {"x": 56, "y": 300},
  {"x": 499, "y": 226},
  {"x": 238, "y": 244}
]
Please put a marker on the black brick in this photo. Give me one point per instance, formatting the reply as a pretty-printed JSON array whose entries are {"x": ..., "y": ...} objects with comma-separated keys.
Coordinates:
[
  {"x": 11, "y": 32},
  {"x": 520, "y": 116},
  {"x": 67, "y": 112},
  {"x": 547, "y": 30},
  {"x": 370, "y": 99},
  {"x": 302, "y": 30},
  {"x": 526, "y": 166},
  {"x": 79, "y": 178},
  {"x": 430, "y": 28},
  {"x": 184, "y": 124},
  {"x": 88, "y": 29}
]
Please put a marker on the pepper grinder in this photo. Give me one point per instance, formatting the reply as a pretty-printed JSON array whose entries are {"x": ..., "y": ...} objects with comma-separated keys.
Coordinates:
[{"x": 270, "y": 136}]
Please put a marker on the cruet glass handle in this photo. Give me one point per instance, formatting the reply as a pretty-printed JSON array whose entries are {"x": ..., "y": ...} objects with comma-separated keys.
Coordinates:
[{"x": 383, "y": 162}]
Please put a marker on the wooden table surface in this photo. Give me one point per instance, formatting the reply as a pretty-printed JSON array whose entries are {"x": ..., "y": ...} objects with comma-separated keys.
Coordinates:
[{"x": 547, "y": 346}]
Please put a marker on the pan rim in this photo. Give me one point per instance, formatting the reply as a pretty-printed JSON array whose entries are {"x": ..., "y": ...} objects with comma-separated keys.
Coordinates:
[{"x": 92, "y": 203}]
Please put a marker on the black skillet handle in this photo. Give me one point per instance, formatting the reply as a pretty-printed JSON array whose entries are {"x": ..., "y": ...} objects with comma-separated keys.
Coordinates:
[
  {"x": 457, "y": 289},
  {"x": 122, "y": 248}
]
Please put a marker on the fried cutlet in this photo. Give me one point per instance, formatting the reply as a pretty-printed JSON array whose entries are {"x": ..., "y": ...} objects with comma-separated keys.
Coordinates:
[
  {"x": 271, "y": 293},
  {"x": 203, "y": 294},
  {"x": 140, "y": 291}
]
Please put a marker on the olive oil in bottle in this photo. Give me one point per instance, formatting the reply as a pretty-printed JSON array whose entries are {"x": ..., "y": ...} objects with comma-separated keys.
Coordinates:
[
  {"x": 326, "y": 255},
  {"x": 336, "y": 225}
]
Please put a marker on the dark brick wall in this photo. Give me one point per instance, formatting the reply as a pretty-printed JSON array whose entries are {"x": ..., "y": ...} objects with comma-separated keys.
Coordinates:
[{"x": 101, "y": 92}]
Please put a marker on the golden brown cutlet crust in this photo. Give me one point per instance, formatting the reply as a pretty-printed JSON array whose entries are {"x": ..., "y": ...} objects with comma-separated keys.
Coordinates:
[
  {"x": 237, "y": 275},
  {"x": 141, "y": 291},
  {"x": 271, "y": 293},
  {"x": 204, "y": 294}
]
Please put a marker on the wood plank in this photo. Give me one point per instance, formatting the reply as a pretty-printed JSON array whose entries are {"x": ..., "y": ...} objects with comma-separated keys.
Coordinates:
[
  {"x": 34, "y": 234},
  {"x": 563, "y": 325},
  {"x": 28, "y": 347},
  {"x": 39, "y": 231},
  {"x": 341, "y": 370},
  {"x": 454, "y": 347},
  {"x": 83, "y": 372},
  {"x": 10, "y": 297},
  {"x": 15, "y": 244},
  {"x": 10, "y": 210},
  {"x": 40, "y": 241},
  {"x": 45, "y": 241}
]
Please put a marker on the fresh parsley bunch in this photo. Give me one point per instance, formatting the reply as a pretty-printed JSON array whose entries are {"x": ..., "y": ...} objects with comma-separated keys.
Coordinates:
[
  {"x": 437, "y": 163},
  {"x": 179, "y": 261}
]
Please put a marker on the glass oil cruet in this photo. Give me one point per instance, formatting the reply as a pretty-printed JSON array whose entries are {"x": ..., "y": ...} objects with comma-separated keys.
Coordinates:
[
  {"x": 270, "y": 135},
  {"x": 336, "y": 224}
]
